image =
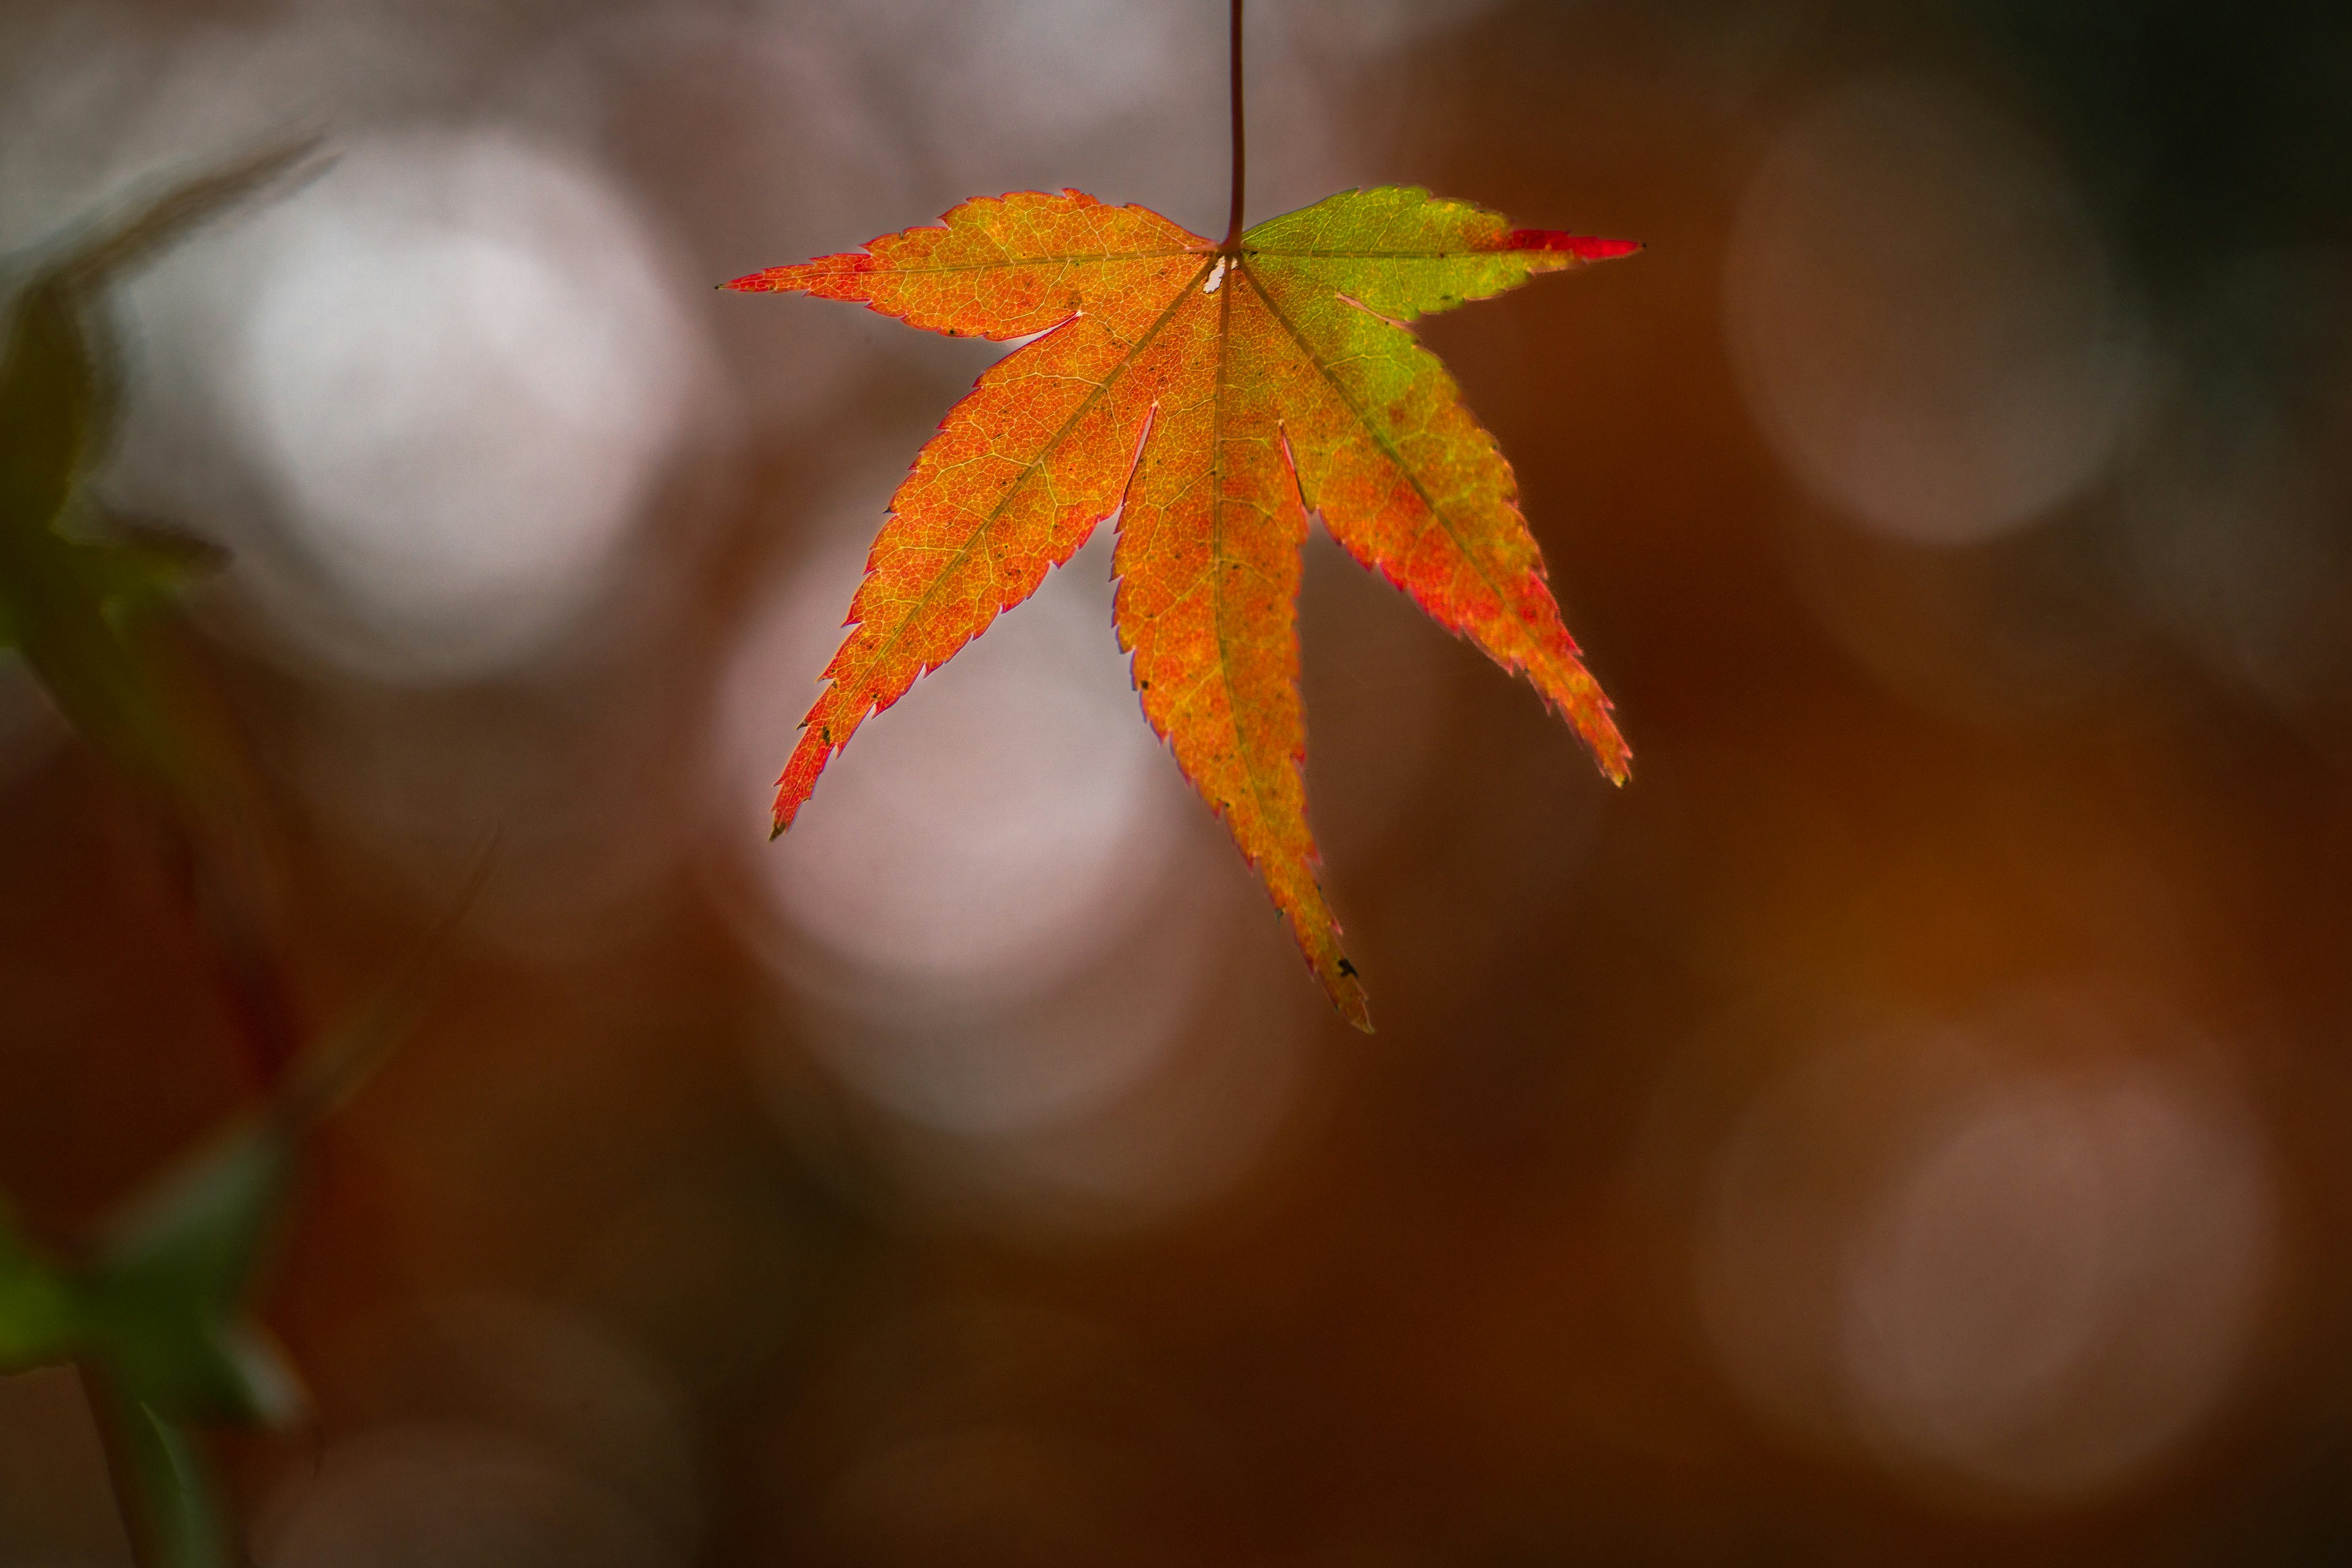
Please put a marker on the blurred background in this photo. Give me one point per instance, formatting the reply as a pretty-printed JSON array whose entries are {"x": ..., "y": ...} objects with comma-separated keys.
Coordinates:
[{"x": 1907, "y": 1124}]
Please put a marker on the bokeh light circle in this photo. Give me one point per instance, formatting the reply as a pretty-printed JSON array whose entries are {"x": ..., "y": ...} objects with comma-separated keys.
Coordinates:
[
  {"x": 987, "y": 834},
  {"x": 2060, "y": 1285},
  {"x": 1925, "y": 318},
  {"x": 2017, "y": 1275},
  {"x": 457, "y": 364}
]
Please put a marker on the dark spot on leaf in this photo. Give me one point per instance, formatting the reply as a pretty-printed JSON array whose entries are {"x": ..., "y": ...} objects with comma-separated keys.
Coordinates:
[{"x": 1346, "y": 967}]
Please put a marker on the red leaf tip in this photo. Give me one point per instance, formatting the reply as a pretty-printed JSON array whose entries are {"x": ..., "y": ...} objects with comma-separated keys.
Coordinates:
[{"x": 1583, "y": 246}]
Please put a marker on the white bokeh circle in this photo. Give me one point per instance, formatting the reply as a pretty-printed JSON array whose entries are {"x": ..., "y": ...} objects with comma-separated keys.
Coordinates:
[
  {"x": 457, "y": 364},
  {"x": 985, "y": 836},
  {"x": 1924, "y": 315}
]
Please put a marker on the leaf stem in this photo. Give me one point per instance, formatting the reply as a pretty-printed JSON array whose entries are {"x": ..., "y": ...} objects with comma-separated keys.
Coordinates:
[
  {"x": 162, "y": 1487},
  {"x": 1233, "y": 244}
]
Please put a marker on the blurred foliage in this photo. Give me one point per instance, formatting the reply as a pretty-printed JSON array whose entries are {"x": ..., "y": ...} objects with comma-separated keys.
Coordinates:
[
  {"x": 159, "y": 1307},
  {"x": 156, "y": 1312},
  {"x": 37, "y": 1317},
  {"x": 157, "y": 1315},
  {"x": 74, "y": 576}
]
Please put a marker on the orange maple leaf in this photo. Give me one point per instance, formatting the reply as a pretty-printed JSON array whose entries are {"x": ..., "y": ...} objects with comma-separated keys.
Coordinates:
[{"x": 1210, "y": 396}]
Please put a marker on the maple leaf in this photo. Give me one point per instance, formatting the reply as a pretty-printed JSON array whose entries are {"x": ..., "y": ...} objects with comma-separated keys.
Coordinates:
[{"x": 1210, "y": 396}]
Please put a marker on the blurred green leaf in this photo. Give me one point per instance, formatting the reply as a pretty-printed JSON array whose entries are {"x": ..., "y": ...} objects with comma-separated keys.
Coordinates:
[
  {"x": 107, "y": 248},
  {"x": 60, "y": 369},
  {"x": 72, "y": 578},
  {"x": 181, "y": 1519},
  {"x": 199, "y": 1234},
  {"x": 138, "y": 562},
  {"x": 157, "y": 1315},
  {"x": 37, "y": 1319},
  {"x": 55, "y": 406},
  {"x": 161, "y": 1302},
  {"x": 163, "y": 1299}
]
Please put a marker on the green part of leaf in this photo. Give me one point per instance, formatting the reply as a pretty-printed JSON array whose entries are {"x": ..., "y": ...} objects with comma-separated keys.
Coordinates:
[
  {"x": 162, "y": 1303},
  {"x": 67, "y": 607},
  {"x": 197, "y": 1236},
  {"x": 178, "y": 1511},
  {"x": 163, "y": 1299},
  {"x": 109, "y": 247},
  {"x": 59, "y": 371},
  {"x": 196, "y": 1367},
  {"x": 138, "y": 562},
  {"x": 68, "y": 588},
  {"x": 1402, "y": 253},
  {"x": 56, "y": 405},
  {"x": 128, "y": 565},
  {"x": 38, "y": 1322}
]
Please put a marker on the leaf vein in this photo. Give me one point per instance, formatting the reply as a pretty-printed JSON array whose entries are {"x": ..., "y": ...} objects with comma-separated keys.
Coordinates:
[{"x": 1053, "y": 444}]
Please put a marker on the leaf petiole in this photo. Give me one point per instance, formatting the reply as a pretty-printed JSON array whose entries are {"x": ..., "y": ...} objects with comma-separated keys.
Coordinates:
[{"x": 1233, "y": 245}]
